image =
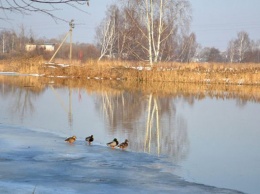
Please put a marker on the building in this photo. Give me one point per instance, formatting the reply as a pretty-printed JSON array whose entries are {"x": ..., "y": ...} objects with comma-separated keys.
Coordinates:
[{"x": 44, "y": 47}]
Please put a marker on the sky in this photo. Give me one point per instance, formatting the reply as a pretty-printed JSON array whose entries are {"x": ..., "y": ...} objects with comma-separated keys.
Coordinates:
[
  {"x": 44, "y": 26},
  {"x": 215, "y": 22}
]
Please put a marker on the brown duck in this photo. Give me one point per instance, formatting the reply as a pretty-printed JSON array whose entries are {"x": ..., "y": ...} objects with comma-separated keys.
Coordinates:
[
  {"x": 124, "y": 144},
  {"x": 71, "y": 139}
]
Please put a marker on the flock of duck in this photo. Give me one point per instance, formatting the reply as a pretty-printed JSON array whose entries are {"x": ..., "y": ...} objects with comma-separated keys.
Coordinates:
[{"x": 111, "y": 144}]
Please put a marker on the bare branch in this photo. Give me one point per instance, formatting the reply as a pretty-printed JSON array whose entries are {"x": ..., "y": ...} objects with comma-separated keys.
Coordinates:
[{"x": 27, "y": 7}]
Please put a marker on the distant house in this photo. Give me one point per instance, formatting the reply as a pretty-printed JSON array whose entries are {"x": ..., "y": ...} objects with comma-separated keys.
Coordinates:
[
  {"x": 45, "y": 47},
  {"x": 30, "y": 47}
]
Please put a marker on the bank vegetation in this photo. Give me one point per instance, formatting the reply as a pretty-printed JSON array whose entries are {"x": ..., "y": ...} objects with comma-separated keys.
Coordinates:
[
  {"x": 188, "y": 91},
  {"x": 203, "y": 73}
]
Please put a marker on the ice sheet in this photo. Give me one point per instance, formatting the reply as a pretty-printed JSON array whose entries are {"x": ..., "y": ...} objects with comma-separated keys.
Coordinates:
[{"x": 39, "y": 162}]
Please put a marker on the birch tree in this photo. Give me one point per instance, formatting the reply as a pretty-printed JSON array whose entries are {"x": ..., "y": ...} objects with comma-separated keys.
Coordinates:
[
  {"x": 107, "y": 33},
  {"x": 231, "y": 51},
  {"x": 157, "y": 22},
  {"x": 9, "y": 41},
  {"x": 242, "y": 45},
  {"x": 187, "y": 48}
]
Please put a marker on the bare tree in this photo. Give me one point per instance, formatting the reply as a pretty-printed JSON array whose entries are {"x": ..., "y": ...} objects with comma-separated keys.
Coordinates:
[
  {"x": 188, "y": 48},
  {"x": 31, "y": 6},
  {"x": 22, "y": 38},
  {"x": 239, "y": 48},
  {"x": 145, "y": 29},
  {"x": 107, "y": 33},
  {"x": 242, "y": 45},
  {"x": 214, "y": 55},
  {"x": 9, "y": 41},
  {"x": 157, "y": 21},
  {"x": 256, "y": 50},
  {"x": 231, "y": 51}
]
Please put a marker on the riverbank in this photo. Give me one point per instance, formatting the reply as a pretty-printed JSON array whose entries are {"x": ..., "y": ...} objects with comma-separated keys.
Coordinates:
[{"x": 203, "y": 73}]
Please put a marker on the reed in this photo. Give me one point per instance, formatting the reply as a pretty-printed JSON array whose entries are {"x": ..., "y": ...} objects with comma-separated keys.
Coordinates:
[
  {"x": 203, "y": 73},
  {"x": 22, "y": 64}
]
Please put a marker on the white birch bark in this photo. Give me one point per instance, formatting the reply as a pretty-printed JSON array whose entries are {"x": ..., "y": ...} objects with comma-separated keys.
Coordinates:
[
  {"x": 108, "y": 38},
  {"x": 149, "y": 23}
]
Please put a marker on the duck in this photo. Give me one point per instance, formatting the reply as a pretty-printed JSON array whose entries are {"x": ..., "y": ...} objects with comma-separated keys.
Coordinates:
[
  {"x": 71, "y": 139},
  {"x": 124, "y": 145},
  {"x": 113, "y": 143},
  {"x": 89, "y": 139}
]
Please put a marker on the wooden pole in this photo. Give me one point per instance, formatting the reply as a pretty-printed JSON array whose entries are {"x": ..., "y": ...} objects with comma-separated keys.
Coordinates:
[
  {"x": 72, "y": 25},
  {"x": 58, "y": 48}
]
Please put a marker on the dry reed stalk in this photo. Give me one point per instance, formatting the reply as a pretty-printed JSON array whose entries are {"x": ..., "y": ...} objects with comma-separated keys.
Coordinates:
[{"x": 206, "y": 73}]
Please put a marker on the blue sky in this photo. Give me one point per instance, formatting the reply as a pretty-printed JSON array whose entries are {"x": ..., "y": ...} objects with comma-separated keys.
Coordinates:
[{"x": 215, "y": 22}]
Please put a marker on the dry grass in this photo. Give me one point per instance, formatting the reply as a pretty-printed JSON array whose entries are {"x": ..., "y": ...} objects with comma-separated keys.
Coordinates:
[
  {"x": 204, "y": 73},
  {"x": 22, "y": 64}
]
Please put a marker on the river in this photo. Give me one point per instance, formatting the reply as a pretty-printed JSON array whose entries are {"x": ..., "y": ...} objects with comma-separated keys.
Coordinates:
[{"x": 207, "y": 137}]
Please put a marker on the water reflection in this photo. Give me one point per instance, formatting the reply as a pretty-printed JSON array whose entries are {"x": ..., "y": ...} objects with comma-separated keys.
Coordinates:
[
  {"x": 66, "y": 108},
  {"x": 121, "y": 109},
  {"x": 149, "y": 121},
  {"x": 165, "y": 133},
  {"x": 205, "y": 127},
  {"x": 22, "y": 97},
  {"x": 143, "y": 113}
]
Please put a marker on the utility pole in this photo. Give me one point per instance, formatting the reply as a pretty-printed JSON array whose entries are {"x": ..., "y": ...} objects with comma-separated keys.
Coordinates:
[
  {"x": 3, "y": 43},
  {"x": 72, "y": 25}
]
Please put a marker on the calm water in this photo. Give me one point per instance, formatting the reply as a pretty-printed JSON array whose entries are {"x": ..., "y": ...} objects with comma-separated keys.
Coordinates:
[{"x": 212, "y": 140}]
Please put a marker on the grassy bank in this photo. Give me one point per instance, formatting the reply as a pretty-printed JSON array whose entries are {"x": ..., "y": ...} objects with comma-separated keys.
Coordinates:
[{"x": 203, "y": 73}]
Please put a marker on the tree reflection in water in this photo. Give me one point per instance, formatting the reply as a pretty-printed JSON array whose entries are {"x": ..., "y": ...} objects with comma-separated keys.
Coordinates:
[
  {"x": 143, "y": 113},
  {"x": 23, "y": 102},
  {"x": 22, "y": 97},
  {"x": 150, "y": 122}
]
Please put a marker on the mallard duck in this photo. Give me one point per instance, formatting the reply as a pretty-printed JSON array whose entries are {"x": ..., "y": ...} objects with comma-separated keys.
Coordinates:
[
  {"x": 113, "y": 143},
  {"x": 124, "y": 144},
  {"x": 89, "y": 139},
  {"x": 71, "y": 139}
]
